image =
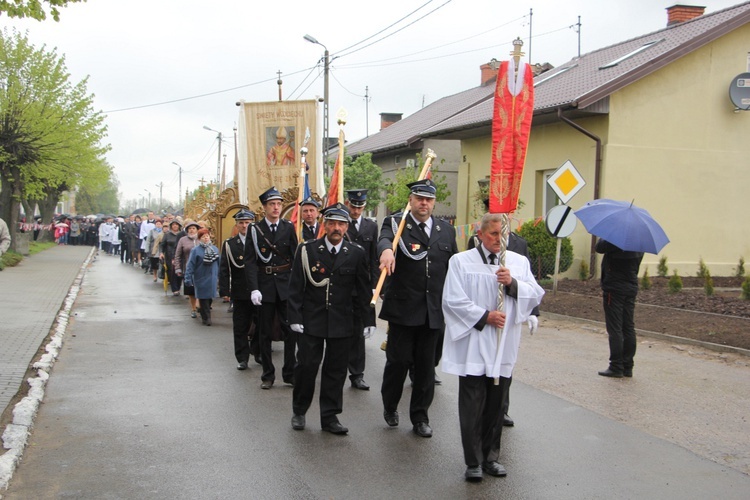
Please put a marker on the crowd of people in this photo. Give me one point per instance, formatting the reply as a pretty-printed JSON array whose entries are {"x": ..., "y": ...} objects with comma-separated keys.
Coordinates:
[{"x": 314, "y": 296}]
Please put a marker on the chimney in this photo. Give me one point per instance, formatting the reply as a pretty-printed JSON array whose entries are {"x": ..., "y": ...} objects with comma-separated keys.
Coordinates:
[
  {"x": 677, "y": 14},
  {"x": 388, "y": 119},
  {"x": 489, "y": 72}
]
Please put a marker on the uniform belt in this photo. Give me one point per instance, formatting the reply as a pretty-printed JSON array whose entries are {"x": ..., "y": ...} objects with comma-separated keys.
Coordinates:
[{"x": 276, "y": 269}]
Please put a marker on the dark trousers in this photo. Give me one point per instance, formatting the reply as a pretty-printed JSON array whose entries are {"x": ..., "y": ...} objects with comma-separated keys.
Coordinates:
[
  {"x": 619, "y": 312},
  {"x": 480, "y": 417},
  {"x": 332, "y": 377},
  {"x": 357, "y": 346},
  {"x": 242, "y": 319},
  {"x": 205, "y": 305},
  {"x": 410, "y": 346},
  {"x": 266, "y": 313},
  {"x": 175, "y": 282}
]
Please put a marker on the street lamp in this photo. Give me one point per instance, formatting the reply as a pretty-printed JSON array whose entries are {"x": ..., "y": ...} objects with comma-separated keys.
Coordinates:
[
  {"x": 149, "y": 198},
  {"x": 180, "y": 185},
  {"x": 326, "y": 66},
  {"x": 218, "y": 160}
]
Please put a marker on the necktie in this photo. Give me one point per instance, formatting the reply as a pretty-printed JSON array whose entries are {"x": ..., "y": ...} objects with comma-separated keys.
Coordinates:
[
  {"x": 492, "y": 258},
  {"x": 354, "y": 221},
  {"x": 273, "y": 228},
  {"x": 422, "y": 226},
  {"x": 333, "y": 251}
]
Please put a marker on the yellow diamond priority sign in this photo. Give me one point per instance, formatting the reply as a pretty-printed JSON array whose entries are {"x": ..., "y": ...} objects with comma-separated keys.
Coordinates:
[{"x": 566, "y": 182}]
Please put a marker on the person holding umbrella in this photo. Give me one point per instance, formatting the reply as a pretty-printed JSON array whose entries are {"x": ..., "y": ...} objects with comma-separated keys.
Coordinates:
[
  {"x": 619, "y": 283},
  {"x": 625, "y": 232}
]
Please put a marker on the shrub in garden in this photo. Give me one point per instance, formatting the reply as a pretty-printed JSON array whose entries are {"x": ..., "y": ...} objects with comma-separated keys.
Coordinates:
[
  {"x": 662, "y": 268},
  {"x": 708, "y": 284},
  {"x": 583, "y": 271},
  {"x": 645, "y": 280},
  {"x": 542, "y": 248},
  {"x": 702, "y": 269},
  {"x": 740, "y": 271},
  {"x": 675, "y": 283},
  {"x": 746, "y": 288}
]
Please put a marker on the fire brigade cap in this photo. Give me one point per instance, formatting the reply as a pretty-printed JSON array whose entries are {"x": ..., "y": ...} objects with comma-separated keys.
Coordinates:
[
  {"x": 424, "y": 188},
  {"x": 337, "y": 212},
  {"x": 357, "y": 197}
]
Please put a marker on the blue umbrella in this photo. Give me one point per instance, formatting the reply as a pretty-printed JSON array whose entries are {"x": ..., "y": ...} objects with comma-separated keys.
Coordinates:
[{"x": 623, "y": 224}]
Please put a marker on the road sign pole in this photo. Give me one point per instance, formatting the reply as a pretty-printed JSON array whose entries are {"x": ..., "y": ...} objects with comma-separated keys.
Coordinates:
[{"x": 557, "y": 266}]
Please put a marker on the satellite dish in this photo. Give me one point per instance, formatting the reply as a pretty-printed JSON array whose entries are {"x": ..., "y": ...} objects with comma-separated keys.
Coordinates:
[{"x": 739, "y": 91}]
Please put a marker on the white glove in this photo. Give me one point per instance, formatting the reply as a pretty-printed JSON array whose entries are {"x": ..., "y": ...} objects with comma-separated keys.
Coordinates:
[
  {"x": 533, "y": 324},
  {"x": 296, "y": 327},
  {"x": 369, "y": 330},
  {"x": 256, "y": 297}
]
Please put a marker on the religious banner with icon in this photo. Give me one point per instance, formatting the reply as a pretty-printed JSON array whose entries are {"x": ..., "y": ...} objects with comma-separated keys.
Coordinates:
[{"x": 270, "y": 135}]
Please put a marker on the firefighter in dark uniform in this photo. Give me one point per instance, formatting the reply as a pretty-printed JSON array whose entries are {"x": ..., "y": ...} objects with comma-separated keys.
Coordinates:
[
  {"x": 412, "y": 303},
  {"x": 233, "y": 283},
  {"x": 309, "y": 208},
  {"x": 326, "y": 274},
  {"x": 271, "y": 244},
  {"x": 363, "y": 232}
]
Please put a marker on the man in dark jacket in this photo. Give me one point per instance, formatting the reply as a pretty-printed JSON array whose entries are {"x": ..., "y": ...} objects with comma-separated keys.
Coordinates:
[
  {"x": 363, "y": 232},
  {"x": 412, "y": 304},
  {"x": 326, "y": 273},
  {"x": 619, "y": 283},
  {"x": 271, "y": 243},
  {"x": 233, "y": 282},
  {"x": 309, "y": 209}
]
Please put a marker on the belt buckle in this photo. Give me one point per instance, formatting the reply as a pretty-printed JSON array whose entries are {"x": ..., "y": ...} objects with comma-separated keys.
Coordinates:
[{"x": 269, "y": 269}]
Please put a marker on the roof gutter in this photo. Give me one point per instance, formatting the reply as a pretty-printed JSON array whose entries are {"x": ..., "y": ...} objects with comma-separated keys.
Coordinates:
[{"x": 597, "y": 177}]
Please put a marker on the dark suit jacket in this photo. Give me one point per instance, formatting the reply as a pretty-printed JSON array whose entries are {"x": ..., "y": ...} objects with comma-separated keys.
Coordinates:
[
  {"x": 271, "y": 283},
  {"x": 515, "y": 244},
  {"x": 414, "y": 291},
  {"x": 326, "y": 311},
  {"x": 308, "y": 235},
  {"x": 233, "y": 281},
  {"x": 367, "y": 238}
]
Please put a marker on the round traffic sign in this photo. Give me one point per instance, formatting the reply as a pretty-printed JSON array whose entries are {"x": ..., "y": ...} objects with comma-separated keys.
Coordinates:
[{"x": 560, "y": 221}]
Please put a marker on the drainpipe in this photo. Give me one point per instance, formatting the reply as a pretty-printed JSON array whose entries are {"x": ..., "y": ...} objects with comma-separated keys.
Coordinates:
[{"x": 597, "y": 176}]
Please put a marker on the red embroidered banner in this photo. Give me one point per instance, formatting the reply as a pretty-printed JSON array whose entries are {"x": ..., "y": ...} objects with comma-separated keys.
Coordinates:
[{"x": 511, "y": 127}]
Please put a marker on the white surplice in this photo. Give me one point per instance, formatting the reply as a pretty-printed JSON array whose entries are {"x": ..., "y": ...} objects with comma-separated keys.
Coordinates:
[{"x": 470, "y": 290}]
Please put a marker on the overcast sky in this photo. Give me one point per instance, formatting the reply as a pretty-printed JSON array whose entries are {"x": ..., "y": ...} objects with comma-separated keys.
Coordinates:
[{"x": 163, "y": 69}]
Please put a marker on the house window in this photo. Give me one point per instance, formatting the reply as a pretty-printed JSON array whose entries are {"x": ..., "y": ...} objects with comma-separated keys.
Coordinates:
[
  {"x": 629, "y": 55},
  {"x": 550, "y": 197},
  {"x": 397, "y": 159},
  {"x": 411, "y": 162}
]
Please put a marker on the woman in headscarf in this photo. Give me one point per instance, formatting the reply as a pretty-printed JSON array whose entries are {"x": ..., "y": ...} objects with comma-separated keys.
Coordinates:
[
  {"x": 153, "y": 241},
  {"x": 168, "y": 248},
  {"x": 181, "y": 256},
  {"x": 203, "y": 273}
]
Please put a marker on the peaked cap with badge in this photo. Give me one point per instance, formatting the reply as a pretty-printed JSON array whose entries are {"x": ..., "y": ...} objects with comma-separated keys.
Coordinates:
[
  {"x": 424, "y": 188},
  {"x": 337, "y": 212},
  {"x": 270, "y": 194},
  {"x": 357, "y": 197}
]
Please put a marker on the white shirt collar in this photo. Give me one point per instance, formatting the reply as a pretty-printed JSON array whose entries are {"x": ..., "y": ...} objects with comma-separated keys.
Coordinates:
[{"x": 330, "y": 245}]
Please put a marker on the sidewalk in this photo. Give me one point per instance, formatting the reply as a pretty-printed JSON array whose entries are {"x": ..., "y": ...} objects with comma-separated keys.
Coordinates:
[{"x": 31, "y": 295}]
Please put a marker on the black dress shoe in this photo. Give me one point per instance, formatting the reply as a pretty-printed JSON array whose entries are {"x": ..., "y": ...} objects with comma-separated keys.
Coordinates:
[
  {"x": 507, "y": 421},
  {"x": 438, "y": 381},
  {"x": 494, "y": 469},
  {"x": 289, "y": 381},
  {"x": 611, "y": 373},
  {"x": 335, "y": 428},
  {"x": 266, "y": 384},
  {"x": 359, "y": 383},
  {"x": 298, "y": 422},
  {"x": 473, "y": 474},
  {"x": 242, "y": 365},
  {"x": 423, "y": 429},
  {"x": 391, "y": 418},
  {"x": 627, "y": 373}
]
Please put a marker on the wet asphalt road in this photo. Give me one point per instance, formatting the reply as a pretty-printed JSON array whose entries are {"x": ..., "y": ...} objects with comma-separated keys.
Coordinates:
[{"x": 145, "y": 402}]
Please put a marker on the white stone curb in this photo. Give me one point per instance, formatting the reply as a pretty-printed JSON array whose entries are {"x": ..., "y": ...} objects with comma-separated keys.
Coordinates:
[{"x": 16, "y": 433}]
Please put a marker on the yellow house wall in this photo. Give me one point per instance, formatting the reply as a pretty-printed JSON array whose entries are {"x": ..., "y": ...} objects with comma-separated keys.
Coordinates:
[
  {"x": 677, "y": 147},
  {"x": 672, "y": 142}
]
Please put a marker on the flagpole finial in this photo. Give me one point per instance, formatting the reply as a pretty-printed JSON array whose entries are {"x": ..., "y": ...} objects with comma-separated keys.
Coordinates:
[
  {"x": 430, "y": 154},
  {"x": 341, "y": 116}
]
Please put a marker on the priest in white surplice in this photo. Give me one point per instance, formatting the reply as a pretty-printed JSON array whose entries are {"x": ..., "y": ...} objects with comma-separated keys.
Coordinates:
[{"x": 471, "y": 349}]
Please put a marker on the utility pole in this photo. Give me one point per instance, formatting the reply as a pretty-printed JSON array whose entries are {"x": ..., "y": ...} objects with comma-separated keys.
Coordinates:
[
  {"x": 218, "y": 158},
  {"x": 367, "y": 112},
  {"x": 326, "y": 68},
  {"x": 180, "y": 185},
  {"x": 161, "y": 187}
]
